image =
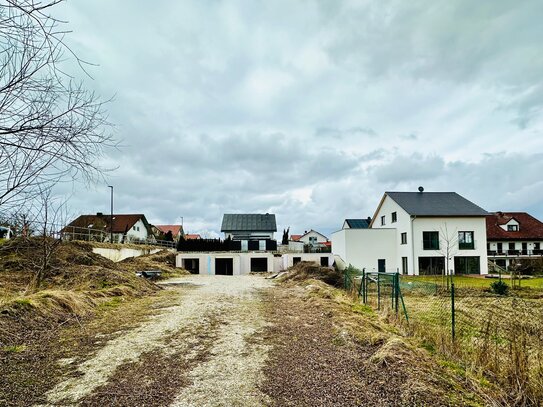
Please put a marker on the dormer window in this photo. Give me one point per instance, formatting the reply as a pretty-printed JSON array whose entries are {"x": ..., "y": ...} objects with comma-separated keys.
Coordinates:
[{"x": 512, "y": 228}]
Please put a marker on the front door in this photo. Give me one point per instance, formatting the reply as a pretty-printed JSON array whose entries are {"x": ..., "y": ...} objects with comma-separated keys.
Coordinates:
[{"x": 381, "y": 265}]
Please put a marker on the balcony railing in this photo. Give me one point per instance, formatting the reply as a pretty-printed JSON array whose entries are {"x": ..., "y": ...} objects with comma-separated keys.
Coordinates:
[{"x": 535, "y": 252}]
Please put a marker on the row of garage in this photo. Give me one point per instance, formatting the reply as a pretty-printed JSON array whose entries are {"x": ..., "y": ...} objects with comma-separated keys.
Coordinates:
[{"x": 245, "y": 263}]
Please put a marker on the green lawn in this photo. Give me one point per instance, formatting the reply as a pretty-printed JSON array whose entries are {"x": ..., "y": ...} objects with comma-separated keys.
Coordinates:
[{"x": 474, "y": 282}]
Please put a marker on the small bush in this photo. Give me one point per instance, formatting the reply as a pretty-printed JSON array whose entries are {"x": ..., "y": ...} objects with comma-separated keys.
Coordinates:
[{"x": 499, "y": 287}]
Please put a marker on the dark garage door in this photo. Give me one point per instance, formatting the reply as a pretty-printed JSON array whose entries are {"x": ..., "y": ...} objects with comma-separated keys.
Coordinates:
[
  {"x": 259, "y": 264},
  {"x": 224, "y": 267}
]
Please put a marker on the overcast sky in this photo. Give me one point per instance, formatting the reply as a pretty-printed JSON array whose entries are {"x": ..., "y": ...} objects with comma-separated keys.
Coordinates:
[{"x": 312, "y": 109}]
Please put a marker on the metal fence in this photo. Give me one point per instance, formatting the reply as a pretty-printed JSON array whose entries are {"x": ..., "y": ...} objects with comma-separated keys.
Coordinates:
[{"x": 499, "y": 337}]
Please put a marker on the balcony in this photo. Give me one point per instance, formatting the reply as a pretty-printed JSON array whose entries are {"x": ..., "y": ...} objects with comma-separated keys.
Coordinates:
[{"x": 514, "y": 253}]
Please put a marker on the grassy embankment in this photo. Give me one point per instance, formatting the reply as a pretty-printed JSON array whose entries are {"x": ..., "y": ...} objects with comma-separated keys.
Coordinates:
[
  {"x": 81, "y": 293},
  {"x": 498, "y": 338}
]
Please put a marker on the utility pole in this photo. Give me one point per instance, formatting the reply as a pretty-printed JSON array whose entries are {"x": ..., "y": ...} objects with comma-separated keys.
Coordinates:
[{"x": 111, "y": 217}]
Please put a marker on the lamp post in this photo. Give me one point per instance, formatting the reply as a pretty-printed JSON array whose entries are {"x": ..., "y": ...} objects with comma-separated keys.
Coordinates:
[{"x": 111, "y": 217}]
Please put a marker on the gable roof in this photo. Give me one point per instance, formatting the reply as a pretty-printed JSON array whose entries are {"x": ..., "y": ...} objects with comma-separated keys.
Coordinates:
[
  {"x": 357, "y": 223},
  {"x": 435, "y": 204},
  {"x": 529, "y": 227},
  {"x": 121, "y": 223},
  {"x": 312, "y": 230},
  {"x": 192, "y": 236},
  {"x": 248, "y": 222},
  {"x": 295, "y": 238},
  {"x": 175, "y": 229}
]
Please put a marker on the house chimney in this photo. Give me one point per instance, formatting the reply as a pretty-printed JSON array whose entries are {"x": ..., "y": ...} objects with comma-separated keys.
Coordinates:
[
  {"x": 368, "y": 219},
  {"x": 421, "y": 190},
  {"x": 99, "y": 214}
]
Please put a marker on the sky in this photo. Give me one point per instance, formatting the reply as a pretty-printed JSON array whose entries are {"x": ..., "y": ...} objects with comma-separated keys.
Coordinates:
[{"x": 311, "y": 109}]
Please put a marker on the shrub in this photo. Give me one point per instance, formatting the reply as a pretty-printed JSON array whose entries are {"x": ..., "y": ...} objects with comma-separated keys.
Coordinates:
[{"x": 499, "y": 287}]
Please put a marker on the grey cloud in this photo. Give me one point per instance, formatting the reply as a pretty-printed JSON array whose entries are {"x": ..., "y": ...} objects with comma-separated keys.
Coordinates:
[{"x": 415, "y": 167}]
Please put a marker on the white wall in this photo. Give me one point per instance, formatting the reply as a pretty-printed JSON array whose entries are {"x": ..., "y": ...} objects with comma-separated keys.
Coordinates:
[
  {"x": 306, "y": 238},
  {"x": 242, "y": 261},
  {"x": 362, "y": 248},
  {"x": 123, "y": 253},
  {"x": 138, "y": 231},
  {"x": 451, "y": 226}
]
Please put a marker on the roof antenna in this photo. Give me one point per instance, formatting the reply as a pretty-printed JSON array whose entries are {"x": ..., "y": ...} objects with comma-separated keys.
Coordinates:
[{"x": 421, "y": 190}]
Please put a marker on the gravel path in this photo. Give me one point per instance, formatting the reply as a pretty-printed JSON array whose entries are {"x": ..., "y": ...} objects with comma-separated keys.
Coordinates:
[{"x": 228, "y": 376}]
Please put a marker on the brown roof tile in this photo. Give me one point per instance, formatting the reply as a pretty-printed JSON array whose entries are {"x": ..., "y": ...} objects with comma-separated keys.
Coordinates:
[
  {"x": 121, "y": 223},
  {"x": 529, "y": 227}
]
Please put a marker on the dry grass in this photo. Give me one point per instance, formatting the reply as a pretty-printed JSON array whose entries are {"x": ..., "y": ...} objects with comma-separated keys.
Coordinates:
[
  {"x": 306, "y": 270},
  {"x": 163, "y": 261},
  {"x": 330, "y": 348},
  {"x": 498, "y": 339}
]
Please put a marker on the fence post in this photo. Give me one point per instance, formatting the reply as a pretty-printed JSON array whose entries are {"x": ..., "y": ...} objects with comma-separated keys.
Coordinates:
[
  {"x": 361, "y": 288},
  {"x": 378, "y": 291},
  {"x": 396, "y": 290},
  {"x": 452, "y": 312}
]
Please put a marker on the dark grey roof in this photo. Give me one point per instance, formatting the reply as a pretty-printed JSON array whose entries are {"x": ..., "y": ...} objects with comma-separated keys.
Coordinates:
[
  {"x": 357, "y": 223},
  {"x": 248, "y": 222},
  {"x": 436, "y": 204}
]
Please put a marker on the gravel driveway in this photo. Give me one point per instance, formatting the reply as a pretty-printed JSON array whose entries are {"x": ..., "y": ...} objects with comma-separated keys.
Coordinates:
[{"x": 213, "y": 332}]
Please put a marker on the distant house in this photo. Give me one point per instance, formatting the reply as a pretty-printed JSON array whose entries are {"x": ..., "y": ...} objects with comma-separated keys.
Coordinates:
[
  {"x": 176, "y": 231},
  {"x": 512, "y": 236},
  {"x": 313, "y": 238},
  {"x": 192, "y": 236},
  {"x": 411, "y": 232},
  {"x": 295, "y": 238},
  {"x": 249, "y": 226},
  {"x": 356, "y": 223},
  {"x": 126, "y": 228}
]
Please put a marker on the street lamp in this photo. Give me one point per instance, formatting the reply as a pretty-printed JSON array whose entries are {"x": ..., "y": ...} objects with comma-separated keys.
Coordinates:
[{"x": 111, "y": 216}]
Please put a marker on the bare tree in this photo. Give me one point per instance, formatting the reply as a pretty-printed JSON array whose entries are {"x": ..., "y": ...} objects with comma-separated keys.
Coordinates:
[
  {"x": 448, "y": 248},
  {"x": 51, "y": 128}
]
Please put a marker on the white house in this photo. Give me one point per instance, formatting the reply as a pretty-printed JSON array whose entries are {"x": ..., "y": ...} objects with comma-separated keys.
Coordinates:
[
  {"x": 125, "y": 227},
  {"x": 312, "y": 238},
  {"x": 512, "y": 237},
  {"x": 240, "y": 226},
  {"x": 419, "y": 233}
]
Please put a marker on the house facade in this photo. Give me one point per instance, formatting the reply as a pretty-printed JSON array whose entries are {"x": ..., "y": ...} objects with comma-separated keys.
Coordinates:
[
  {"x": 512, "y": 237},
  {"x": 126, "y": 228},
  {"x": 313, "y": 238},
  {"x": 420, "y": 233}
]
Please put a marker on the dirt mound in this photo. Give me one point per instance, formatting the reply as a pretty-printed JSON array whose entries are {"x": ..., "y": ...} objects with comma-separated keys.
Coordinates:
[
  {"x": 306, "y": 270},
  {"x": 75, "y": 281},
  {"x": 163, "y": 260}
]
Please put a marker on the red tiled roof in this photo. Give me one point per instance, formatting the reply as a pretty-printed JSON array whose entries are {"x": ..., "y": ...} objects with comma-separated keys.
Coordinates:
[
  {"x": 173, "y": 228},
  {"x": 529, "y": 227},
  {"x": 327, "y": 244},
  {"x": 295, "y": 237},
  {"x": 121, "y": 223},
  {"x": 192, "y": 236}
]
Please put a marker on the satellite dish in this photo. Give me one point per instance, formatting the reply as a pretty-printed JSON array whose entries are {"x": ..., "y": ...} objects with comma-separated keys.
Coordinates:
[{"x": 421, "y": 189}]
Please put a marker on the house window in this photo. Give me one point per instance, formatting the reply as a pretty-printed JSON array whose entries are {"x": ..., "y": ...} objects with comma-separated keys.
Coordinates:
[
  {"x": 430, "y": 240},
  {"x": 511, "y": 246},
  {"x": 312, "y": 239},
  {"x": 138, "y": 228},
  {"x": 512, "y": 228},
  {"x": 133, "y": 228},
  {"x": 383, "y": 220},
  {"x": 404, "y": 237},
  {"x": 465, "y": 241},
  {"x": 404, "y": 265},
  {"x": 394, "y": 217}
]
